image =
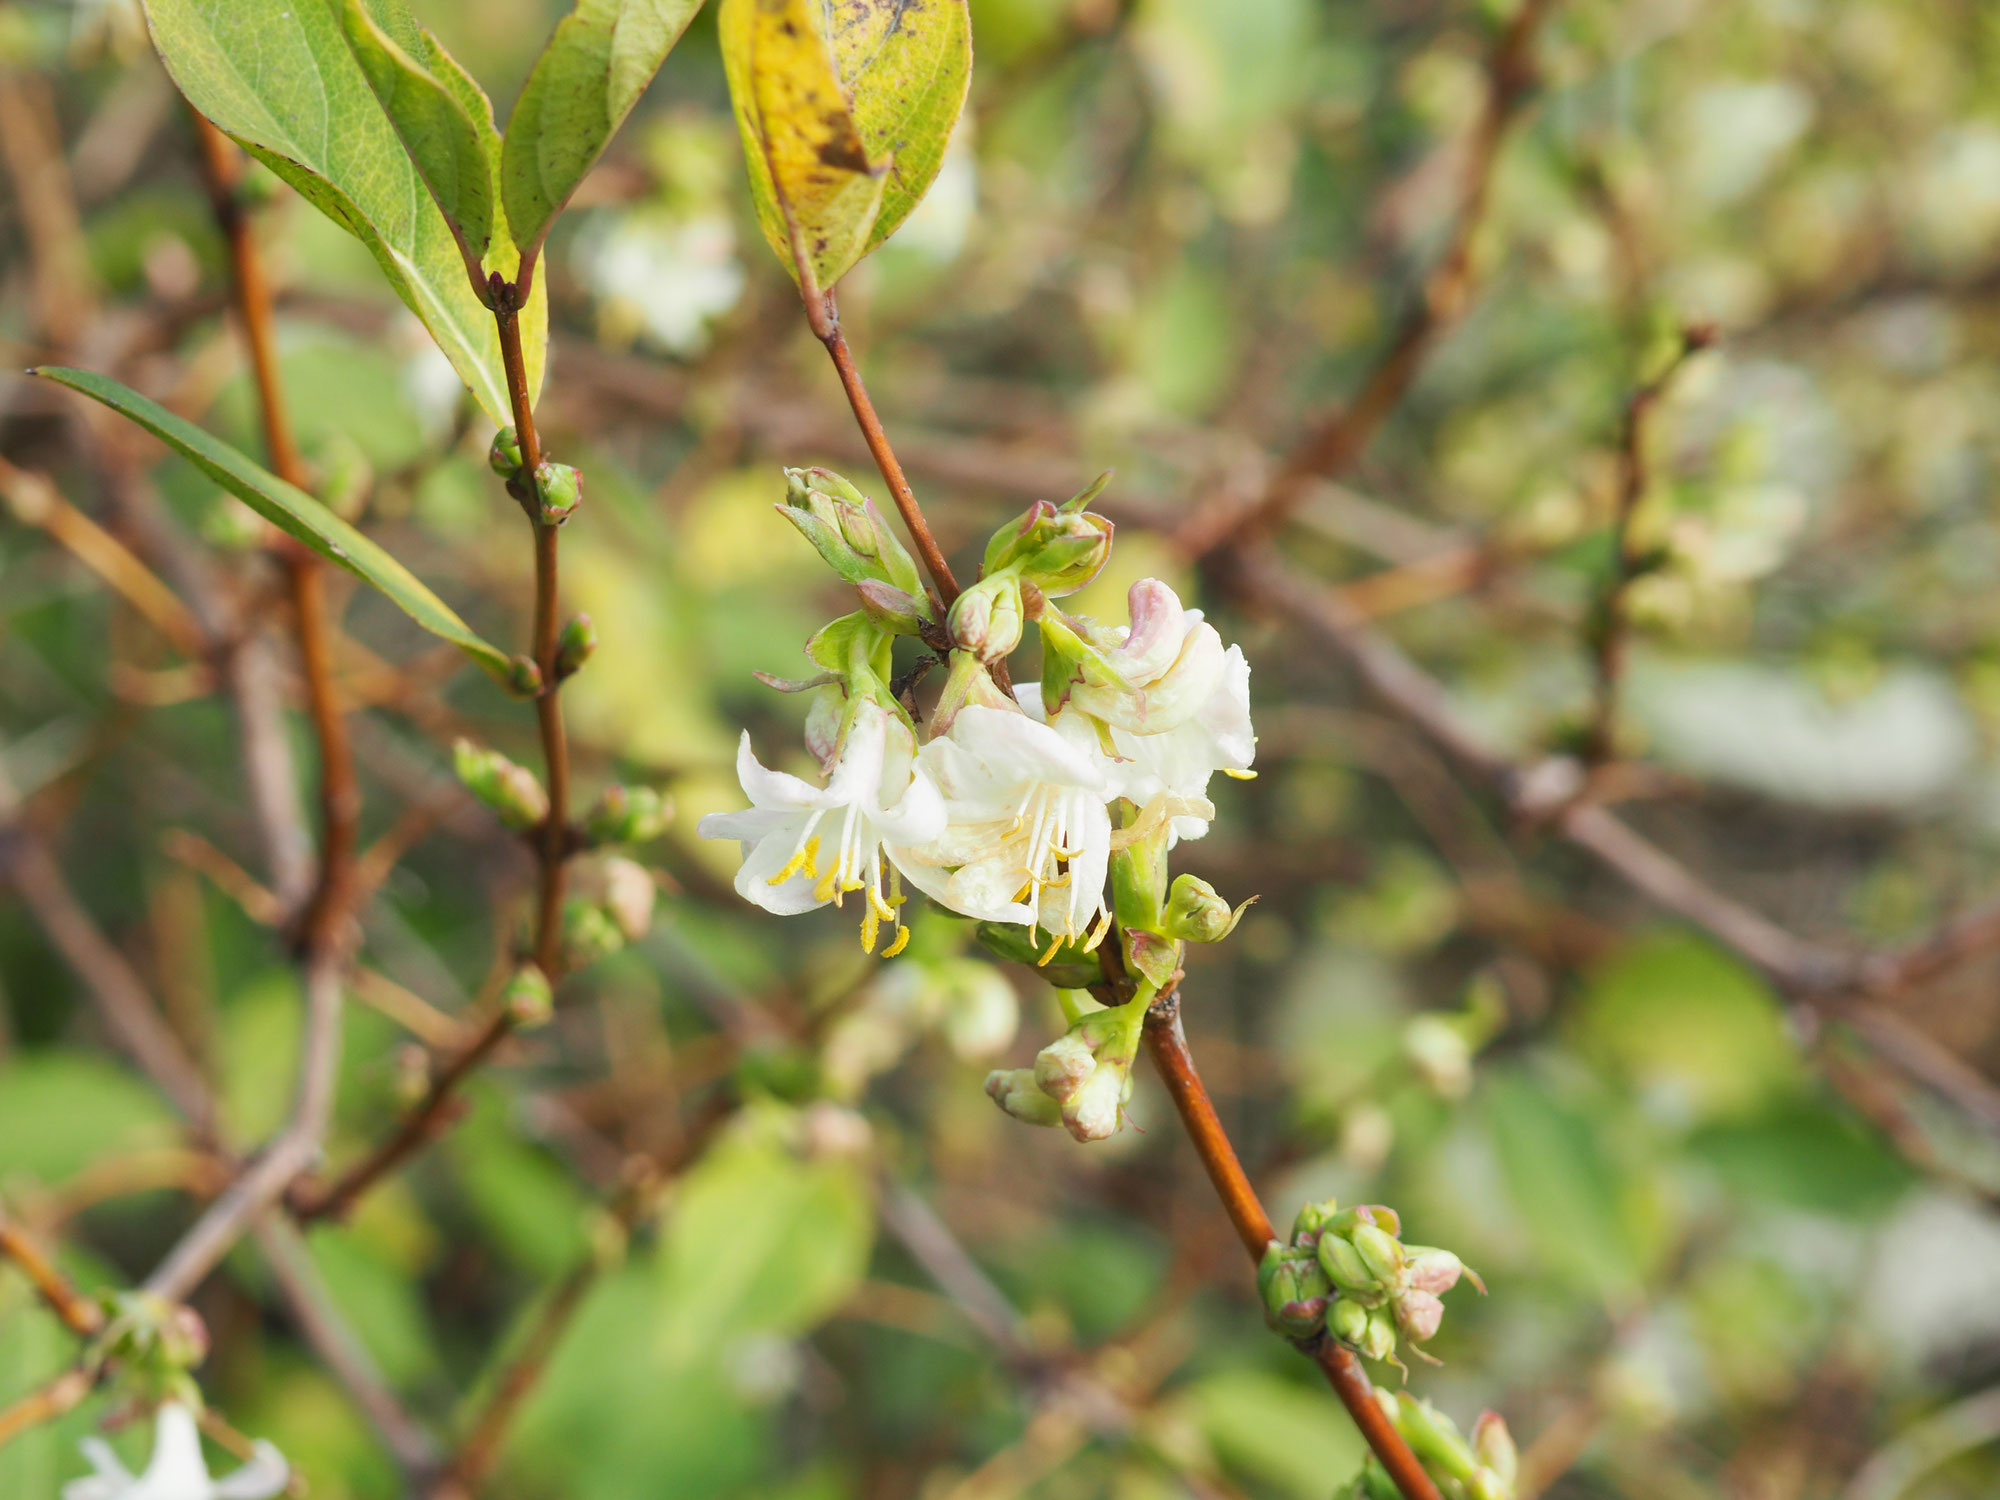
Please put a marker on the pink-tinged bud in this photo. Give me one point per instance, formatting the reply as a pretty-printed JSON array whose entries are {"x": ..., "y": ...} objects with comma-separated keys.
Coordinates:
[
  {"x": 892, "y": 608},
  {"x": 987, "y": 618},
  {"x": 528, "y": 997},
  {"x": 1064, "y": 1066},
  {"x": 1380, "y": 1251},
  {"x": 1294, "y": 1290},
  {"x": 1311, "y": 1220},
  {"x": 1378, "y": 1341},
  {"x": 1015, "y": 1091},
  {"x": 1493, "y": 1445},
  {"x": 1419, "y": 1315},
  {"x": 1433, "y": 1270}
]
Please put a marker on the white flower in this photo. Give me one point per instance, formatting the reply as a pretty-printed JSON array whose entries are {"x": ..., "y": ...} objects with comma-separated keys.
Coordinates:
[
  {"x": 176, "y": 1470},
  {"x": 1162, "y": 670},
  {"x": 1029, "y": 836},
  {"x": 1177, "y": 763},
  {"x": 878, "y": 798}
]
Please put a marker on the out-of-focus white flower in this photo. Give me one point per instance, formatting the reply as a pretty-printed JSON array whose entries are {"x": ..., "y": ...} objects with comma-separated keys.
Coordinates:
[
  {"x": 176, "y": 1470},
  {"x": 878, "y": 799},
  {"x": 662, "y": 277},
  {"x": 1028, "y": 836}
]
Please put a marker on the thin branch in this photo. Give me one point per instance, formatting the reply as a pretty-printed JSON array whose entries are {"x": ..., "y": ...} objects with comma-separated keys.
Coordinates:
[
  {"x": 1167, "y": 1045},
  {"x": 82, "y": 1315},
  {"x": 1612, "y": 626},
  {"x": 1340, "y": 437},
  {"x": 56, "y": 1399}
]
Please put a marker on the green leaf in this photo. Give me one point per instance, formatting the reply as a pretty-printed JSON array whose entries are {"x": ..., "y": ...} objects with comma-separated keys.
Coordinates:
[
  {"x": 761, "y": 1242},
  {"x": 1275, "y": 1431},
  {"x": 61, "y": 1111},
  {"x": 278, "y": 75},
  {"x": 441, "y": 136},
  {"x": 1566, "y": 1188},
  {"x": 592, "y": 72},
  {"x": 810, "y": 170},
  {"x": 907, "y": 68},
  {"x": 291, "y": 510}
]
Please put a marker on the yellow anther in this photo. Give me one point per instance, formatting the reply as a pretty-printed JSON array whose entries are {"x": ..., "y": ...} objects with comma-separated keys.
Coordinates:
[
  {"x": 852, "y": 885},
  {"x": 1239, "y": 775},
  {"x": 902, "y": 942},
  {"x": 871, "y": 927},
  {"x": 1097, "y": 936},
  {"x": 828, "y": 887},
  {"x": 1054, "y": 948},
  {"x": 1056, "y": 885},
  {"x": 807, "y": 859},
  {"x": 880, "y": 907}
]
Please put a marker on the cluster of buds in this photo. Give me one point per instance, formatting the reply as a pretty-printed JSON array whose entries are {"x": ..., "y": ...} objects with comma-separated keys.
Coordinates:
[
  {"x": 1484, "y": 1467},
  {"x": 507, "y": 787},
  {"x": 1051, "y": 551},
  {"x": 554, "y": 490},
  {"x": 627, "y": 815},
  {"x": 151, "y": 1345},
  {"x": 1082, "y": 1079},
  {"x": 1348, "y": 1270}
]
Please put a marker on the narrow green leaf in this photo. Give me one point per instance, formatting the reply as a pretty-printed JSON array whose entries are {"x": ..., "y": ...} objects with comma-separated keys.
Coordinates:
[
  {"x": 278, "y": 75},
  {"x": 290, "y": 509},
  {"x": 592, "y": 72},
  {"x": 907, "y": 68},
  {"x": 436, "y": 130}
]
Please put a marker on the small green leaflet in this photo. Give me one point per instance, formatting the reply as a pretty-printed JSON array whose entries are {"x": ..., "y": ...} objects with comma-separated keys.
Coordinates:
[
  {"x": 592, "y": 72},
  {"x": 291, "y": 510},
  {"x": 278, "y": 75}
]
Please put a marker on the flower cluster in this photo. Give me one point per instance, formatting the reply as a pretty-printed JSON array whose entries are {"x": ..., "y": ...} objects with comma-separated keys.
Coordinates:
[
  {"x": 1348, "y": 1271},
  {"x": 1482, "y": 1468},
  {"x": 1046, "y": 813}
]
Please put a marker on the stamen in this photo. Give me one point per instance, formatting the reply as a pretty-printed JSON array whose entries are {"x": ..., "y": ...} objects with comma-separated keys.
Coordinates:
[
  {"x": 1239, "y": 775},
  {"x": 1054, "y": 948},
  {"x": 871, "y": 927},
  {"x": 827, "y": 889},
  {"x": 805, "y": 859},
  {"x": 1097, "y": 936},
  {"x": 902, "y": 942},
  {"x": 880, "y": 907}
]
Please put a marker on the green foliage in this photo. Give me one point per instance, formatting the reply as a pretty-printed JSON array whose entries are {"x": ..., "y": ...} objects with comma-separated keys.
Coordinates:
[
  {"x": 279, "y": 76},
  {"x": 62, "y": 1111},
  {"x": 291, "y": 510}
]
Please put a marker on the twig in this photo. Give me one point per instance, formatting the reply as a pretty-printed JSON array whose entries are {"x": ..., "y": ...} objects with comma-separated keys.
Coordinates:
[
  {"x": 59, "y": 1397},
  {"x": 1611, "y": 628},
  {"x": 945, "y": 1261},
  {"x": 320, "y": 1321},
  {"x": 83, "y": 1316},
  {"x": 1167, "y": 1044},
  {"x": 1957, "y": 1429},
  {"x": 1339, "y": 438}
]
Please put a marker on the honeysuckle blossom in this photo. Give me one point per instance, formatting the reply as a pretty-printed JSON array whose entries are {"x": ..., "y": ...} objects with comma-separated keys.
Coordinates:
[
  {"x": 176, "y": 1471},
  {"x": 805, "y": 846},
  {"x": 1178, "y": 762},
  {"x": 1155, "y": 674},
  {"x": 1028, "y": 831}
]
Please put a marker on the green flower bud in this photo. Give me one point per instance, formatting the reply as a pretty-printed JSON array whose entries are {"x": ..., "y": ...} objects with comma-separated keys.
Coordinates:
[
  {"x": 896, "y": 611},
  {"x": 1195, "y": 912},
  {"x": 1378, "y": 1340},
  {"x": 1347, "y": 1320},
  {"x": 629, "y": 895},
  {"x": 1295, "y": 1292},
  {"x": 1155, "y": 959},
  {"x": 1418, "y": 1315},
  {"x": 627, "y": 815},
  {"x": 1493, "y": 1446},
  {"x": 1345, "y": 1268},
  {"x": 505, "y": 455},
  {"x": 987, "y": 618},
  {"x": 1487, "y": 1484},
  {"x": 524, "y": 678},
  {"x": 1059, "y": 549},
  {"x": 1015, "y": 1091},
  {"x": 511, "y": 790},
  {"x": 589, "y": 933},
  {"x": 1310, "y": 1220},
  {"x": 847, "y": 530},
  {"x": 1380, "y": 1250},
  {"x": 529, "y": 997},
  {"x": 1434, "y": 1438},
  {"x": 558, "y": 492},
  {"x": 574, "y": 645}
]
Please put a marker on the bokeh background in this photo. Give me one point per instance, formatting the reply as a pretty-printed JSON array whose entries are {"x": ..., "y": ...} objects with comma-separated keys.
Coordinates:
[{"x": 1737, "y": 1246}]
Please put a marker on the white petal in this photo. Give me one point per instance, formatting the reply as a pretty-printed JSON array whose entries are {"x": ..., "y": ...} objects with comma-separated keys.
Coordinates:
[
  {"x": 265, "y": 1475},
  {"x": 764, "y": 857},
  {"x": 857, "y": 776},
  {"x": 919, "y": 817},
  {"x": 108, "y": 1480},
  {"x": 1159, "y": 625},
  {"x": 176, "y": 1470},
  {"x": 767, "y": 788}
]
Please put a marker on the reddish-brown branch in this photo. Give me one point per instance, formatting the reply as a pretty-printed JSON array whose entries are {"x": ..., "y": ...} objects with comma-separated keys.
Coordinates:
[
  {"x": 53, "y": 1400},
  {"x": 83, "y": 1316},
  {"x": 1333, "y": 444},
  {"x": 1167, "y": 1045},
  {"x": 339, "y": 794},
  {"x": 823, "y": 313}
]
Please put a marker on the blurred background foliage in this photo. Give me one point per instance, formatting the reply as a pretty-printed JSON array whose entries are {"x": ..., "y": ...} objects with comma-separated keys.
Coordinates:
[{"x": 1731, "y": 1253}]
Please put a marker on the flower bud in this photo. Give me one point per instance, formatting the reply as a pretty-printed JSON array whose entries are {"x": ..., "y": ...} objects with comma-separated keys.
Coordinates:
[
  {"x": 627, "y": 815},
  {"x": 1487, "y": 1484},
  {"x": 1154, "y": 958},
  {"x": 1015, "y": 1091},
  {"x": 504, "y": 456},
  {"x": 558, "y": 492},
  {"x": 987, "y": 618},
  {"x": 847, "y": 530},
  {"x": 1348, "y": 1321},
  {"x": 1430, "y": 1269},
  {"x": 1378, "y": 1340},
  {"x": 511, "y": 790},
  {"x": 589, "y": 933},
  {"x": 1294, "y": 1290},
  {"x": 1345, "y": 1268},
  {"x": 1419, "y": 1315},
  {"x": 1493, "y": 1446},
  {"x": 1072, "y": 557},
  {"x": 896, "y": 611},
  {"x": 629, "y": 894},
  {"x": 1195, "y": 912},
  {"x": 1310, "y": 1220},
  {"x": 524, "y": 678},
  {"x": 528, "y": 997},
  {"x": 1381, "y": 1251},
  {"x": 574, "y": 645},
  {"x": 1065, "y": 1065},
  {"x": 1088, "y": 1072}
]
